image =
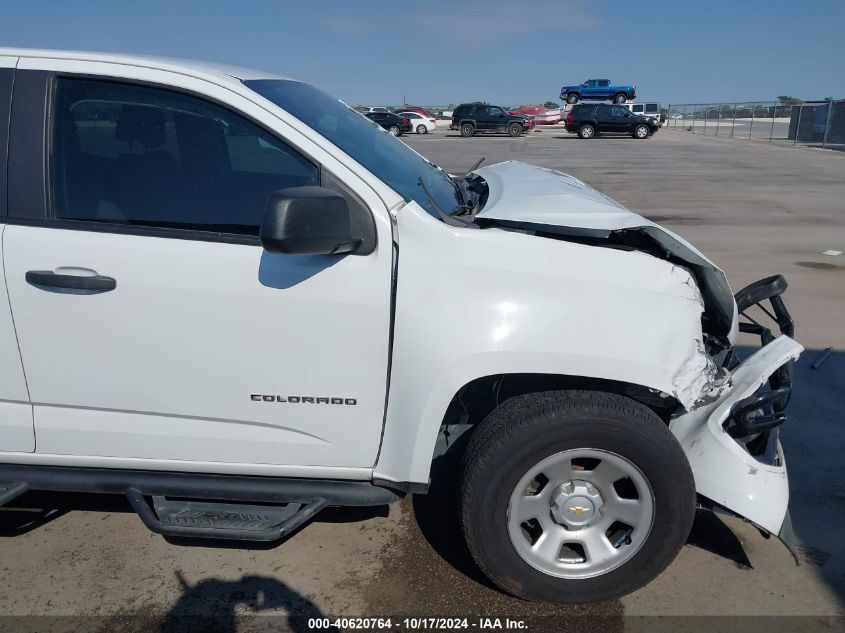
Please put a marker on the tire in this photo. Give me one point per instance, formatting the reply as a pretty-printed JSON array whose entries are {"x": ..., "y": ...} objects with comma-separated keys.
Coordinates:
[
  {"x": 620, "y": 97},
  {"x": 572, "y": 98},
  {"x": 586, "y": 131},
  {"x": 467, "y": 129},
  {"x": 515, "y": 129},
  {"x": 606, "y": 434},
  {"x": 641, "y": 132},
  {"x": 394, "y": 130},
  {"x": 421, "y": 129}
]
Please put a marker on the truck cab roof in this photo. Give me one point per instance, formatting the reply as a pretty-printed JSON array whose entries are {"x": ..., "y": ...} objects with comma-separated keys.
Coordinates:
[{"x": 187, "y": 66}]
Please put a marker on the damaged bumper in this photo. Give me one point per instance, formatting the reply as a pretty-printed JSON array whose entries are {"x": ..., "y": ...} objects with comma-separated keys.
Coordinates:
[{"x": 731, "y": 441}]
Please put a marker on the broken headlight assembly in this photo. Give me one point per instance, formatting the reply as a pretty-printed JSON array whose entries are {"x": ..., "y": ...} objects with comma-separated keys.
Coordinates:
[{"x": 753, "y": 421}]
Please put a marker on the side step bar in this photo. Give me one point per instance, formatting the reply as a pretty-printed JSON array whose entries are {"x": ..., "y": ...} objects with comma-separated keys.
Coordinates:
[
  {"x": 10, "y": 492},
  {"x": 230, "y": 521},
  {"x": 198, "y": 505}
]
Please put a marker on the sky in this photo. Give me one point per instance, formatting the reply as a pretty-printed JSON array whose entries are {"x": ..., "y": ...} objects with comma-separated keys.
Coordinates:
[{"x": 441, "y": 52}]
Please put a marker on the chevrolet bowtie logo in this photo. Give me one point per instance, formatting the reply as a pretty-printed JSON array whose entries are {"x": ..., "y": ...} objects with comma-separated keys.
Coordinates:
[{"x": 579, "y": 509}]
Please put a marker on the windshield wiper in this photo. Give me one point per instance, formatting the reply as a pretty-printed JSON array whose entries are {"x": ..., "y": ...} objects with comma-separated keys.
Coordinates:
[{"x": 448, "y": 219}]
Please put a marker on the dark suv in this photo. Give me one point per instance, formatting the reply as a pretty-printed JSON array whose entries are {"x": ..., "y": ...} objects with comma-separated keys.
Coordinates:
[
  {"x": 471, "y": 118},
  {"x": 393, "y": 123},
  {"x": 589, "y": 120}
]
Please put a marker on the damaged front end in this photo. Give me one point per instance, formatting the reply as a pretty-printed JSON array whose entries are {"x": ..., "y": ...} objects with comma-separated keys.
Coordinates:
[
  {"x": 731, "y": 409},
  {"x": 731, "y": 440}
]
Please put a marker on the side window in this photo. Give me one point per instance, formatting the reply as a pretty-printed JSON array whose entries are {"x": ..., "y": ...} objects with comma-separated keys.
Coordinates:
[
  {"x": 619, "y": 111},
  {"x": 495, "y": 111},
  {"x": 137, "y": 155},
  {"x": 651, "y": 108},
  {"x": 603, "y": 111},
  {"x": 603, "y": 83},
  {"x": 637, "y": 107}
]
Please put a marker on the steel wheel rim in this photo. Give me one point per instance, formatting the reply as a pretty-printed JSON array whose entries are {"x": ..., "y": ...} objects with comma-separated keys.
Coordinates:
[{"x": 584, "y": 521}]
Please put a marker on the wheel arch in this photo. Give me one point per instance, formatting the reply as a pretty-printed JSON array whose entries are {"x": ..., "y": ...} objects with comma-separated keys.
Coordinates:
[{"x": 473, "y": 401}]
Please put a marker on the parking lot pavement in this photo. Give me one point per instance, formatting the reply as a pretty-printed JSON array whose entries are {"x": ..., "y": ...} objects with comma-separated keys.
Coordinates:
[{"x": 755, "y": 209}]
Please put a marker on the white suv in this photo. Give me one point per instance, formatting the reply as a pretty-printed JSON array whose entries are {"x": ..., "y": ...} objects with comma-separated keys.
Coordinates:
[{"x": 231, "y": 298}]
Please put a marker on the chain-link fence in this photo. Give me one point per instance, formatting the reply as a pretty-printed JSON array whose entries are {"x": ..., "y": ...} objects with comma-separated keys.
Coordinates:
[{"x": 817, "y": 123}]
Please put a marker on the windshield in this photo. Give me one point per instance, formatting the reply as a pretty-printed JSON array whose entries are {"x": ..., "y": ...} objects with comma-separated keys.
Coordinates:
[{"x": 385, "y": 156}]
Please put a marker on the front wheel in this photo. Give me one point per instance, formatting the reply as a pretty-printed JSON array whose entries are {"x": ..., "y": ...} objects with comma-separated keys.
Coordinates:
[
  {"x": 574, "y": 496},
  {"x": 641, "y": 131},
  {"x": 514, "y": 129},
  {"x": 572, "y": 98},
  {"x": 394, "y": 130}
]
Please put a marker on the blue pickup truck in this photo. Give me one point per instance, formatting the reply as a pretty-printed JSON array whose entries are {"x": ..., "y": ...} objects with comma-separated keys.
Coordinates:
[{"x": 600, "y": 89}]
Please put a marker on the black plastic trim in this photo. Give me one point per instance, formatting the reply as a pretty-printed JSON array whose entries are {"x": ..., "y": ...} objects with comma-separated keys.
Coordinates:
[
  {"x": 410, "y": 487},
  {"x": 7, "y": 79},
  {"x": 26, "y": 167},
  {"x": 198, "y": 485},
  {"x": 140, "y": 230},
  {"x": 12, "y": 492}
]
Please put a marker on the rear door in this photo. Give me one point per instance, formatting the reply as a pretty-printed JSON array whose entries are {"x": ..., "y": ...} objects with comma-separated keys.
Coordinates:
[
  {"x": 620, "y": 119},
  {"x": 16, "y": 432},
  {"x": 380, "y": 118},
  {"x": 204, "y": 348},
  {"x": 481, "y": 114},
  {"x": 604, "y": 122},
  {"x": 603, "y": 89}
]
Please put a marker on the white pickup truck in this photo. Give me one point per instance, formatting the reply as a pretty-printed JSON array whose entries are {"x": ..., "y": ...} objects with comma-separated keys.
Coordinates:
[{"x": 235, "y": 300}]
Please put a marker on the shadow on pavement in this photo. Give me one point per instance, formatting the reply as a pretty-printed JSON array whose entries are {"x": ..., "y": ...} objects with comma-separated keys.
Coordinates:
[
  {"x": 218, "y": 605},
  {"x": 814, "y": 444}
]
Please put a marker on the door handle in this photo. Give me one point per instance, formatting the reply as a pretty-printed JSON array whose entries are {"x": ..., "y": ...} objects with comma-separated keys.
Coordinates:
[{"x": 48, "y": 278}]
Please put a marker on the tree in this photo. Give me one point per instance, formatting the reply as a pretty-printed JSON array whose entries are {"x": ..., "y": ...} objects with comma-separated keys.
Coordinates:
[
  {"x": 551, "y": 105},
  {"x": 787, "y": 100}
]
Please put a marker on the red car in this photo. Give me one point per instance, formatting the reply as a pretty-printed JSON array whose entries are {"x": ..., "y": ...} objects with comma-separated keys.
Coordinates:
[
  {"x": 541, "y": 114},
  {"x": 530, "y": 118}
]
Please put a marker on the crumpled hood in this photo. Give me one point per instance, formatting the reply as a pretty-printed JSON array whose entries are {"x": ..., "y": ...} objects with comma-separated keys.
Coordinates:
[
  {"x": 527, "y": 193},
  {"x": 531, "y": 197}
]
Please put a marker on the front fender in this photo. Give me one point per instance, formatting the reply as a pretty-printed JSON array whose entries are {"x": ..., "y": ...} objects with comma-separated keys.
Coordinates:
[{"x": 473, "y": 303}]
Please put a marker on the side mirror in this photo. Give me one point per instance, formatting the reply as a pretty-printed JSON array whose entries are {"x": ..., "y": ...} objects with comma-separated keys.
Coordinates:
[{"x": 308, "y": 220}]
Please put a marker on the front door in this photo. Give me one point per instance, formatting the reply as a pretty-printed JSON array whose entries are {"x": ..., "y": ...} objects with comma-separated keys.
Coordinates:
[{"x": 183, "y": 339}]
